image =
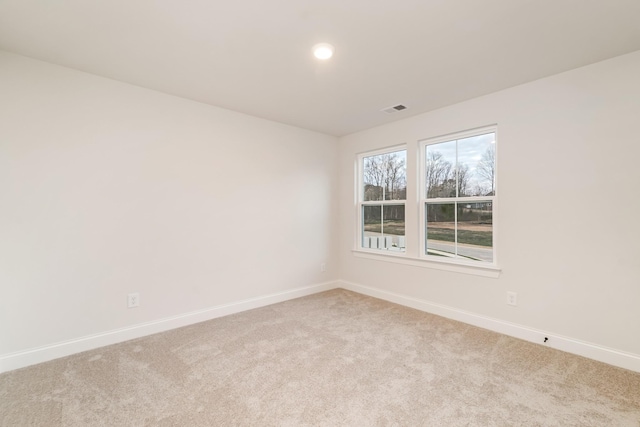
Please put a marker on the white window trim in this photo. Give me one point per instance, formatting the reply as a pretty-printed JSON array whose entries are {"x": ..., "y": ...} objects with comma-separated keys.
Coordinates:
[
  {"x": 359, "y": 201},
  {"x": 422, "y": 199},
  {"x": 457, "y": 266},
  {"x": 414, "y": 256}
]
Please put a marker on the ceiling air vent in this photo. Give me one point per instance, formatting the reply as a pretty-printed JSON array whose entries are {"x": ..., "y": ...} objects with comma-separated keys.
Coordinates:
[{"x": 394, "y": 109}]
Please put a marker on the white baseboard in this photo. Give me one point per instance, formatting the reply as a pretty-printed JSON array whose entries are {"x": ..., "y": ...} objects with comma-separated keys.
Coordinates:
[
  {"x": 33, "y": 356},
  {"x": 592, "y": 351}
]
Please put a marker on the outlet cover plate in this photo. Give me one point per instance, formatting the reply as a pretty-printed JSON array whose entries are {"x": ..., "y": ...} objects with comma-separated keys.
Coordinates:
[
  {"x": 512, "y": 298},
  {"x": 133, "y": 300}
]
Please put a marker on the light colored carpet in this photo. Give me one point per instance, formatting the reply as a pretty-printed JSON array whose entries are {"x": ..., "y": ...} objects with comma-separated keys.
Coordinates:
[{"x": 331, "y": 359}]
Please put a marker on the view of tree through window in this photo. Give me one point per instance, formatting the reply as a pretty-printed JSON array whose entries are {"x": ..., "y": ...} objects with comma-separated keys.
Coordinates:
[
  {"x": 384, "y": 191},
  {"x": 455, "y": 204},
  {"x": 459, "y": 177}
]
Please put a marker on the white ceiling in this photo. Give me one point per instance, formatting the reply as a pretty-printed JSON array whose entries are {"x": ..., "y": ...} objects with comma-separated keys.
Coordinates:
[{"x": 254, "y": 56}]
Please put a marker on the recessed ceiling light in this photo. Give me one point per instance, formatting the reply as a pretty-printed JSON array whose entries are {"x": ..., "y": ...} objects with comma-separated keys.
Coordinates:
[{"x": 323, "y": 51}]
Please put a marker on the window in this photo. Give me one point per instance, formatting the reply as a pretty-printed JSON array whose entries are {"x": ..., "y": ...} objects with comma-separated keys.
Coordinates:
[
  {"x": 381, "y": 200},
  {"x": 448, "y": 221},
  {"x": 458, "y": 196}
]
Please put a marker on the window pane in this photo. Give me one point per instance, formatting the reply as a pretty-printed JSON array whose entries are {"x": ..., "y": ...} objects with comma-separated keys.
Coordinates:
[
  {"x": 440, "y": 176},
  {"x": 440, "y": 228},
  {"x": 383, "y": 227},
  {"x": 471, "y": 239},
  {"x": 476, "y": 165},
  {"x": 394, "y": 227},
  {"x": 384, "y": 176},
  {"x": 475, "y": 230},
  {"x": 372, "y": 219}
]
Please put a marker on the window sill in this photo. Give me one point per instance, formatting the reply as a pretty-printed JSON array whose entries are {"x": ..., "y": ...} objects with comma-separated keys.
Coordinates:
[{"x": 454, "y": 266}]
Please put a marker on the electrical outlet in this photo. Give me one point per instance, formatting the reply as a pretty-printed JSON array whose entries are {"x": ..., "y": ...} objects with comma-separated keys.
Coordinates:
[
  {"x": 323, "y": 267},
  {"x": 133, "y": 300},
  {"x": 512, "y": 298}
]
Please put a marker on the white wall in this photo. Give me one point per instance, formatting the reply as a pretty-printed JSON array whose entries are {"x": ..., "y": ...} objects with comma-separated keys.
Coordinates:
[
  {"x": 108, "y": 188},
  {"x": 568, "y": 212}
]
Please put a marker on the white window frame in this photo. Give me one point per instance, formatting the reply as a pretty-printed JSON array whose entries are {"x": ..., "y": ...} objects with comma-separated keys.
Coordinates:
[
  {"x": 423, "y": 200},
  {"x": 360, "y": 203}
]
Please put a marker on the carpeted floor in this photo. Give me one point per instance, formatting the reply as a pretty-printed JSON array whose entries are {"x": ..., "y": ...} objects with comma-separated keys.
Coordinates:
[{"x": 331, "y": 359}]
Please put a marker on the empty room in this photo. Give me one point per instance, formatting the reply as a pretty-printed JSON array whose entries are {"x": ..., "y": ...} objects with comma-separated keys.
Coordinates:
[{"x": 319, "y": 213}]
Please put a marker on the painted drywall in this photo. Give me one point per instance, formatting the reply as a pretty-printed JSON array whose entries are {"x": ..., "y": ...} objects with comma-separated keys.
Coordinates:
[
  {"x": 108, "y": 188},
  {"x": 567, "y": 216}
]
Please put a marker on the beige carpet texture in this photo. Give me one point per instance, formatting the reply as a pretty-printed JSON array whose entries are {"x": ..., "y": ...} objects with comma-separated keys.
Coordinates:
[{"x": 332, "y": 359}]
